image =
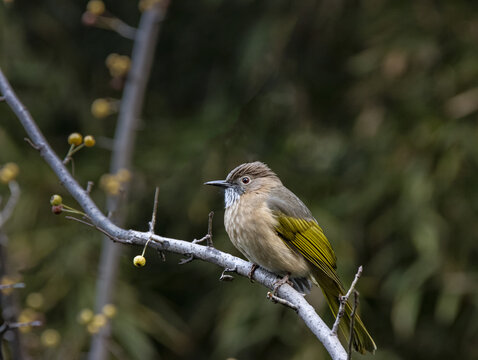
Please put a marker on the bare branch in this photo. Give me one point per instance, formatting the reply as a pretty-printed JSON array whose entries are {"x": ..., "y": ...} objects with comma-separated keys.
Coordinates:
[
  {"x": 343, "y": 300},
  {"x": 160, "y": 243},
  {"x": 352, "y": 322},
  {"x": 145, "y": 38}
]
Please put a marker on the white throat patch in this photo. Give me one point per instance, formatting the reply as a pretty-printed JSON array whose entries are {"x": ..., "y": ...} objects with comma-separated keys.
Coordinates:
[{"x": 230, "y": 197}]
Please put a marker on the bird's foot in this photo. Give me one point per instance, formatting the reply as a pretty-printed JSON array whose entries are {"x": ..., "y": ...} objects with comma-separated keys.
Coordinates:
[
  {"x": 280, "y": 282},
  {"x": 251, "y": 273}
]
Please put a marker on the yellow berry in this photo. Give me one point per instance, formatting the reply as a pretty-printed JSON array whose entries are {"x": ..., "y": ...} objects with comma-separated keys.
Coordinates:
[
  {"x": 111, "y": 58},
  {"x": 147, "y": 4},
  {"x": 118, "y": 65},
  {"x": 35, "y": 300},
  {"x": 89, "y": 141},
  {"x": 101, "y": 108},
  {"x": 99, "y": 320},
  {"x": 123, "y": 175},
  {"x": 9, "y": 172},
  {"x": 113, "y": 187},
  {"x": 96, "y": 7},
  {"x": 85, "y": 316},
  {"x": 56, "y": 200},
  {"x": 26, "y": 316},
  {"x": 92, "y": 328},
  {"x": 139, "y": 261},
  {"x": 6, "y": 280},
  {"x": 75, "y": 139},
  {"x": 109, "y": 310},
  {"x": 50, "y": 338}
]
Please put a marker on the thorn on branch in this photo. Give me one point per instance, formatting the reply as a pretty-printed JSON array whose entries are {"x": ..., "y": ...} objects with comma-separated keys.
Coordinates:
[
  {"x": 89, "y": 187},
  {"x": 343, "y": 300},
  {"x": 277, "y": 300},
  {"x": 36, "y": 147},
  {"x": 162, "y": 255},
  {"x": 186, "y": 260},
  {"x": 226, "y": 277}
]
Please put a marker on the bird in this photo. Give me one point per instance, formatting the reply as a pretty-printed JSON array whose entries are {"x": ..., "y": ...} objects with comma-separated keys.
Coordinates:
[{"x": 275, "y": 230}]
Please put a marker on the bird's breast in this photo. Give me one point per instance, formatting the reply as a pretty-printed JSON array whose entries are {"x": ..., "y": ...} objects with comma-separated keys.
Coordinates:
[{"x": 250, "y": 225}]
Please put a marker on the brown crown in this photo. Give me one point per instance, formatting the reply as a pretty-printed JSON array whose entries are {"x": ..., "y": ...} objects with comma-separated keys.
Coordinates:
[{"x": 255, "y": 169}]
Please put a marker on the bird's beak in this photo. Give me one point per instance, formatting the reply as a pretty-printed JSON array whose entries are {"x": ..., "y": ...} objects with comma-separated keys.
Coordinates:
[{"x": 220, "y": 183}]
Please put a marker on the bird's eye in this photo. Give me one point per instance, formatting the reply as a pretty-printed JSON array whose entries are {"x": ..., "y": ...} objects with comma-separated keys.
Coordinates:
[{"x": 246, "y": 180}]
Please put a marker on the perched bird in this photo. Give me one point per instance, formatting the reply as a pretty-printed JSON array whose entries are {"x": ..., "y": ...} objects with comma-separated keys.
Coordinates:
[{"x": 273, "y": 228}]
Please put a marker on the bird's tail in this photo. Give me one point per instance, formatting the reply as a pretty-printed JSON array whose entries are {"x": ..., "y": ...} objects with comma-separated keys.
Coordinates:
[{"x": 331, "y": 289}]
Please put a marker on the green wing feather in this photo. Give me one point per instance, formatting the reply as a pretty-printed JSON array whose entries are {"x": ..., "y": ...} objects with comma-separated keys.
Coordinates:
[
  {"x": 300, "y": 231},
  {"x": 308, "y": 238}
]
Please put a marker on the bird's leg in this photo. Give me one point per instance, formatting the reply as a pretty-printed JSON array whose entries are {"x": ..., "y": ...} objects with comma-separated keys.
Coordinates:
[
  {"x": 280, "y": 282},
  {"x": 251, "y": 273},
  {"x": 273, "y": 295}
]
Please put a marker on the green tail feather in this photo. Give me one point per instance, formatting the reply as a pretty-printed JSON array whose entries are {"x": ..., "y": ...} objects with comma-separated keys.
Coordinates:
[{"x": 362, "y": 340}]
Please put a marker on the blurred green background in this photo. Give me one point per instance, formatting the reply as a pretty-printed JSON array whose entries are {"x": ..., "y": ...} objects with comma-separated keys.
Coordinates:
[{"x": 367, "y": 110}]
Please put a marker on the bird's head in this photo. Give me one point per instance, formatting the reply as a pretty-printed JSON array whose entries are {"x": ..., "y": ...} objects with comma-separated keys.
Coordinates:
[{"x": 248, "y": 177}]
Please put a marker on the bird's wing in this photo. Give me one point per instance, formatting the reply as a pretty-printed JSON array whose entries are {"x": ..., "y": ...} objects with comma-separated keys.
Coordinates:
[{"x": 301, "y": 232}]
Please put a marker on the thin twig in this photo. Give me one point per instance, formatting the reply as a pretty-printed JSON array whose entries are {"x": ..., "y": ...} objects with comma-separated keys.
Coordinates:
[
  {"x": 11, "y": 203},
  {"x": 343, "y": 300},
  {"x": 117, "y": 25},
  {"x": 189, "y": 258},
  {"x": 31, "y": 143},
  {"x": 152, "y": 224},
  {"x": 19, "y": 285},
  {"x": 226, "y": 277},
  {"x": 277, "y": 300},
  {"x": 207, "y": 238},
  {"x": 209, "y": 230},
  {"x": 89, "y": 187},
  {"x": 352, "y": 323},
  {"x": 9, "y": 326},
  {"x": 115, "y": 239}
]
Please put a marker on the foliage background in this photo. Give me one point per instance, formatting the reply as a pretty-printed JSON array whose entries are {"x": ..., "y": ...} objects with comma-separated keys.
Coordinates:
[{"x": 366, "y": 109}]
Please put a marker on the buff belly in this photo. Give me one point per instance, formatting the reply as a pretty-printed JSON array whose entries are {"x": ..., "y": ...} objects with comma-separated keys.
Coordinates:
[{"x": 251, "y": 229}]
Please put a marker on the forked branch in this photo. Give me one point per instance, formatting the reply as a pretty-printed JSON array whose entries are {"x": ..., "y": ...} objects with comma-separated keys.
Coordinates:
[{"x": 205, "y": 253}]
